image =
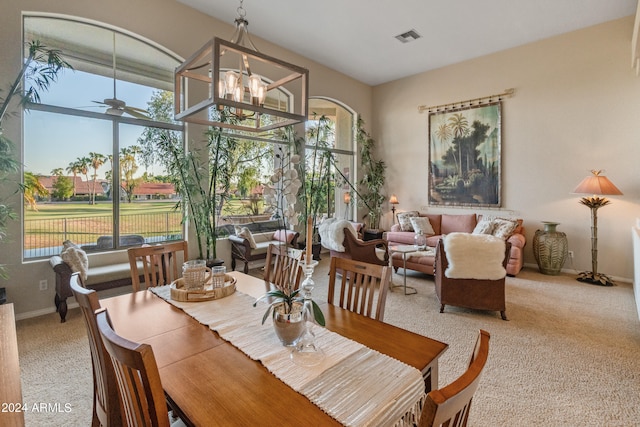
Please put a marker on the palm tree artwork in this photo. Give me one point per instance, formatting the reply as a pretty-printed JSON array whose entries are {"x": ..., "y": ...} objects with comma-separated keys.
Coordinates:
[{"x": 464, "y": 157}]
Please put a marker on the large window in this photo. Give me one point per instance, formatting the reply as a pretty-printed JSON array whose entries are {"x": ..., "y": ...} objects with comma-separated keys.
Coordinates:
[
  {"x": 339, "y": 141},
  {"x": 93, "y": 121}
]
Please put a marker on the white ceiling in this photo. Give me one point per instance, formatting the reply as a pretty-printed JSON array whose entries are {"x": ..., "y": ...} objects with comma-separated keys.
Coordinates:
[{"x": 357, "y": 37}]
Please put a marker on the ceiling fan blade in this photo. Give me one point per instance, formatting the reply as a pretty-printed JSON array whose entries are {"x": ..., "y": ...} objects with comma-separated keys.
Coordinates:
[
  {"x": 132, "y": 112},
  {"x": 139, "y": 110}
]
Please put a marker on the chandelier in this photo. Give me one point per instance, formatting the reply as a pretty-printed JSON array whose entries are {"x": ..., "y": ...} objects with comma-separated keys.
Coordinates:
[{"x": 230, "y": 84}]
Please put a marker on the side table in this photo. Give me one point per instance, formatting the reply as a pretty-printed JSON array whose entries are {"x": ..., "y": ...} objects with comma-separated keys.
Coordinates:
[{"x": 404, "y": 250}]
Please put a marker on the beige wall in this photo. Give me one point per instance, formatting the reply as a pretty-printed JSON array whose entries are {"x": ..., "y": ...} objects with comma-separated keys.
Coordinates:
[
  {"x": 576, "y": 108},
  {"x": 177, "y": 28}
]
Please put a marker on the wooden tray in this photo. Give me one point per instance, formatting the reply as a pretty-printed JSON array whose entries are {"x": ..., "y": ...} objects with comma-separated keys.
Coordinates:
[{"x": 179, "y": 293}]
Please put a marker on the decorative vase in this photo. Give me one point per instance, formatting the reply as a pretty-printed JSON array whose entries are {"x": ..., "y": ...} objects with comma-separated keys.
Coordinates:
[
  {"x": 550, "y": 248},
  {"x": 420, "y": 241},
  {"x": 289, "y": 327}
]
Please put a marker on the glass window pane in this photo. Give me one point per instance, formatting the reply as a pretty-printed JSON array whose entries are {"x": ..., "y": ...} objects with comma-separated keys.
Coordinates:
[{"x": 68, "y": 156}]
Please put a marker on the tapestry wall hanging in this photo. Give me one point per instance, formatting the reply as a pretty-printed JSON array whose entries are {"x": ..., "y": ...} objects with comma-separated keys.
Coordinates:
[{"x": 465, "y": 157}]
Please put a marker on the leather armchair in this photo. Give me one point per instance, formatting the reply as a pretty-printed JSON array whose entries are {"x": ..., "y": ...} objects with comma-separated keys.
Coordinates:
[{"x": 359, "y": 250}]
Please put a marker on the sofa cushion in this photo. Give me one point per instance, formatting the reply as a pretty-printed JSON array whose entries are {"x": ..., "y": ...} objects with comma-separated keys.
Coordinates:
[
  {"x": 457, "y": 223},
  {"x": 422, "y": 225},
  {"x": 404, "y": 219}
]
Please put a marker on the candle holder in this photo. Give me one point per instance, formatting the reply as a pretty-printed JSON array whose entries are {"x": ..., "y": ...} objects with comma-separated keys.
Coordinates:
[{"x": 306, "y": 351}]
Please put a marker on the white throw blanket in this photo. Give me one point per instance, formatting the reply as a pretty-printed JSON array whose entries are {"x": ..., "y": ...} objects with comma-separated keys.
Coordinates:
[
  {"x": 332, "y": 233},
  {"x": 474, "y": 256},
  {"x": 76, "y": 258}
]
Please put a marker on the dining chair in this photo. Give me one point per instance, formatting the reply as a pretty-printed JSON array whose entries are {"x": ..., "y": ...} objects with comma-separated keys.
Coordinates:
[
  {"x": 106, "y": 405},
  {"x": 451, "y": 404},
  {"x": 282, "y": 268},
  {"x": 161, "y": 264},
  {"x": 361, "y": 284},
  {"x": 139, "y": 385}
]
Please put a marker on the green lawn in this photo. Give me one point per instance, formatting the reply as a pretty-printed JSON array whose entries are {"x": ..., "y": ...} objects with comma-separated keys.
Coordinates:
[{"x": 83, "y": 209}]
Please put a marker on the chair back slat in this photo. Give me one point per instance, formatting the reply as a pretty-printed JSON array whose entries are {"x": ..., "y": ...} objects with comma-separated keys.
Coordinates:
[
  {"x": 106, "y": 405},
  {"x": 282, "y": 269},
  {"x": 450, "y": 405},
  {"x": 361, "y": 286},
  {"x": 161, "y": 264},
  {"x": 138, "y": 377}
]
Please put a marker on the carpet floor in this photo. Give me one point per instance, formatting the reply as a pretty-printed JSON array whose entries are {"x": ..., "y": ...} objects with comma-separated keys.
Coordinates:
[{"x": 569, "y": 355}]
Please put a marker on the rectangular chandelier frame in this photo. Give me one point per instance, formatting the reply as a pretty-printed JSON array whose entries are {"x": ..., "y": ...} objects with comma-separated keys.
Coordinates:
[{"x": 263, "y": 117}]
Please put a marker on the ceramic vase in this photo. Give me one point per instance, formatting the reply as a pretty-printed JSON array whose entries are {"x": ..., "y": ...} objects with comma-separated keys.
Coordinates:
[
  {"x": 289, "y": 327},
  {"x": 550, "y": 248}
]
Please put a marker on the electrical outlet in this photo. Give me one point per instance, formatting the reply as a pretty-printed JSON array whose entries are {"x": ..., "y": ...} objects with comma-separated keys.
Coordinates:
[
  {"x": 571, "y": 254},
  {"x": 44, "y": 285}
]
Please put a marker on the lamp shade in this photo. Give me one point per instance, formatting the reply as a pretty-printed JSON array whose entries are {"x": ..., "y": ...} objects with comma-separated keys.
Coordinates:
[
  {"x": 393, "y": 200},
  {"x": 597, "y": 184}
]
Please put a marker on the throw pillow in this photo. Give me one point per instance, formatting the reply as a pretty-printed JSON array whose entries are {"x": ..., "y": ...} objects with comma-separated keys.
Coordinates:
[
  {"x": 422, "y": 224},
  {"x": 485, "y": 227},
  {"x": 284, "y": 235},
  {"x": 404, "y": 219},
  {"x": 504, "y": 228},
  {"x": 245, "y": 233},
  {"x": 76, "y": 258}
]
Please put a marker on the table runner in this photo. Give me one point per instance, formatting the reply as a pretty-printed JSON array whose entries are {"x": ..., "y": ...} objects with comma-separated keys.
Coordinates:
[{"x": 342, "y": 385}]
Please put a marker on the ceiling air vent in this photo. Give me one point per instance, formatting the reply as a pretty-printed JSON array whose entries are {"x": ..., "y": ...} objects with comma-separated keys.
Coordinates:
[{"x": 408, "y": 36}]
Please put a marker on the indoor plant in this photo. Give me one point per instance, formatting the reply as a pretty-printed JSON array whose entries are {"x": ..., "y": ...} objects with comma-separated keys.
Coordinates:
[
  {"x": 372, "y": 182},
  {"x": 203, "y": 180},
  {"x": 286, "y": 308}
]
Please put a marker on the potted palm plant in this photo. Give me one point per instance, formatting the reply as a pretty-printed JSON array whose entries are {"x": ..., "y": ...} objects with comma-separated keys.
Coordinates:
[
  {"x": 373, "y": 176},
  {"x": 203, "y": 181}
]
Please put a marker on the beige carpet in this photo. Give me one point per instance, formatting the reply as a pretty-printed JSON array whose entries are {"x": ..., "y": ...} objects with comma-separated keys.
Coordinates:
[{"x": 570, "y": 354}]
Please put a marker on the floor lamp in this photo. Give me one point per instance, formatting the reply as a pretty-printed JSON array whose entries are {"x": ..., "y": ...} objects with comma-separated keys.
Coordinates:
[
  {"x": 597, "y": 185},
  {"x": 393, "y": 201}
]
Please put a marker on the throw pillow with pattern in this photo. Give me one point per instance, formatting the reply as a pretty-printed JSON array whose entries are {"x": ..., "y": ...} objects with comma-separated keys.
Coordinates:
[
  {"x": 422, "y": 224},
  {"x": 504, "y": 228},
  {"x": 404, "y": 219},
  {"x": 485, "y": 227}
]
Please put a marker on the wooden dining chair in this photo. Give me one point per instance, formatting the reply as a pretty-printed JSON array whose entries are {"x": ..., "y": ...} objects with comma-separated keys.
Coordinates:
[
  {"x": 282, "y": 268},
  {"x": 161, "y": 264},
  {"x": 139, "y": 386},
  {"x": 106, "y": 405},
  {"x": 450, "y": 405},
  {"x": 360, "y": 284}
]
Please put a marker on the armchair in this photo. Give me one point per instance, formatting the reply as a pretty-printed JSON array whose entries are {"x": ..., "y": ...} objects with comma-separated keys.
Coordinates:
[
  {"x": 468, "y": 292},
  {"x": 341, "y": 238}
]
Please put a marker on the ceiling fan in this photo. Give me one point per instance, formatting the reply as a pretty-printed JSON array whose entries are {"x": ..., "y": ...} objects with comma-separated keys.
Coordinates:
[{"x": 116, "y": 106}]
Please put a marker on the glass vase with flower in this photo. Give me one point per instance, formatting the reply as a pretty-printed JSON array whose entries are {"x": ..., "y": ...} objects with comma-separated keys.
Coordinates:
[{"x": 287, "y": 307}]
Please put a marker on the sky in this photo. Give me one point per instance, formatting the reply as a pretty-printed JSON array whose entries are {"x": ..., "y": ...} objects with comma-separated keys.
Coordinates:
[{"x": 54, "y": 140}]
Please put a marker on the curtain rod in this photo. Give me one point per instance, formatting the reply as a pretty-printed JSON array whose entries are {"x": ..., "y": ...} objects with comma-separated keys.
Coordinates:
[{"x": 468, "y": 103}]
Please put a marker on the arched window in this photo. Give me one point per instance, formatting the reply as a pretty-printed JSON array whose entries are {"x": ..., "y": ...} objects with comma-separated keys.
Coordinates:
[
  {"x": 341, "y": 144},
  {"x": 90, "y": 142}
]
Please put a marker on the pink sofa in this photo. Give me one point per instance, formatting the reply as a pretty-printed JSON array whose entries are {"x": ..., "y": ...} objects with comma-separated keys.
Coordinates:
[{"x": 444, "y": 224}]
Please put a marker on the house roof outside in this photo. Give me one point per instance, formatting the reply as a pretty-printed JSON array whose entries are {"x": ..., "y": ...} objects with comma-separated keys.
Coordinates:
[{"x": 81, "y": 187}]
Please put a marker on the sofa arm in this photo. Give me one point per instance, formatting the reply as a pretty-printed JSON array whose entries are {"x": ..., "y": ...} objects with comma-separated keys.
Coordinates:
[
  {"x": 517, "y": 240},
  {"x": 240, "y": 246}
]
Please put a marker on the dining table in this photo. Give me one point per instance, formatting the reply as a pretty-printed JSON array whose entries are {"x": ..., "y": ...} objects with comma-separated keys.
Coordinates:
[{"x": 210, "y": 382}]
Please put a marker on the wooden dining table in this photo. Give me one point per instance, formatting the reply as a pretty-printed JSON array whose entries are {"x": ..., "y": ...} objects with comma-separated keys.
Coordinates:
[{"x": 209, "y": 382}]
